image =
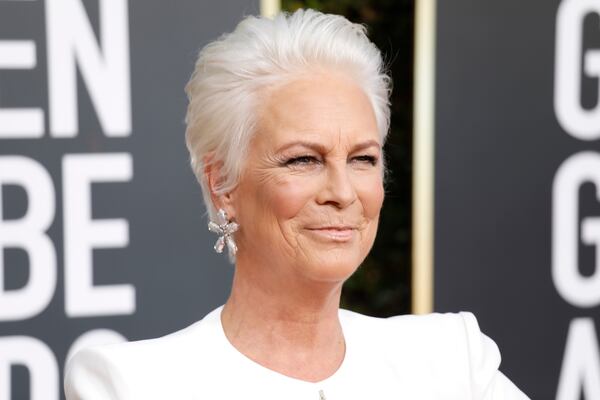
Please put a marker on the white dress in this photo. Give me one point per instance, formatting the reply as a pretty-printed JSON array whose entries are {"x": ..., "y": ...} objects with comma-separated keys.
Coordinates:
[{"x": 435, "y": 356}]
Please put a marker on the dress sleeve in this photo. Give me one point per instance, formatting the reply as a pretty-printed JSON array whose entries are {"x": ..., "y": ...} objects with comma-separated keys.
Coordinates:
[
  {"x": 487, "y": 382},
  {"x": 90, "y": 375}
]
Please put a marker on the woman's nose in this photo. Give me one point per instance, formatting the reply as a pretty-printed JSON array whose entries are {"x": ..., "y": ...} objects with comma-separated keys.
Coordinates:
[{"x": 338, "y": 189}]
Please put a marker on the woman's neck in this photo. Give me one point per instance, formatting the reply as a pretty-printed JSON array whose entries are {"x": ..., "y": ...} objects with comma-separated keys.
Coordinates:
[{"x": 289, "y": 327}]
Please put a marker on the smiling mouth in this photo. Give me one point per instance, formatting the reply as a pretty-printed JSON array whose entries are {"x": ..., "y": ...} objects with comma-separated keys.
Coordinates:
[{"x": 334, "y": 233}]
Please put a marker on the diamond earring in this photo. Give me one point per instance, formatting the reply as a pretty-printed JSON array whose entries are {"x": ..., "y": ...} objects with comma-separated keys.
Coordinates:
[{"x": 224, "y": 228}]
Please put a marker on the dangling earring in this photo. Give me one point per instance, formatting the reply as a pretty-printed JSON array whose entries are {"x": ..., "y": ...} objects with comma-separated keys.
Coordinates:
[{"x": 224, "y": 228}]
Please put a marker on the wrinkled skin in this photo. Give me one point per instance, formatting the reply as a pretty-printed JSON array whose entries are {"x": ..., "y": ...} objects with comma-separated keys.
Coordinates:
[
  {"x": 314, "y": 163},
  {"x": 308, "y": 205}
]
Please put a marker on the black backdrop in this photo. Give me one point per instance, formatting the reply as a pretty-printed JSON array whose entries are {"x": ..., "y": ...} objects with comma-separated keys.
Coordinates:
[
  {"x": 498, "y": 149},
  {"x": 157, "y": 242}
]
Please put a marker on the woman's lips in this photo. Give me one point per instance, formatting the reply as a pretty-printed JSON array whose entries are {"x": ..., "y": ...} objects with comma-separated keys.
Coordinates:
[{"x": 334, "y": 233}]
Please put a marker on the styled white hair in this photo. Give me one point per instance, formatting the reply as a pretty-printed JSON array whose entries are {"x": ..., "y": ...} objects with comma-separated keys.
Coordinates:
[{"x": 260, "y": 52}]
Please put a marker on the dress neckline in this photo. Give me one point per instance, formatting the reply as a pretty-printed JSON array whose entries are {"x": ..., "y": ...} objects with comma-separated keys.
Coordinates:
[{"x": 215, "y": 316}]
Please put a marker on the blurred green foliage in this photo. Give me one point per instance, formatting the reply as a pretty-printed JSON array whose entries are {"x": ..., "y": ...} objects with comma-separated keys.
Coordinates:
[{"x": 381, "y": 286}]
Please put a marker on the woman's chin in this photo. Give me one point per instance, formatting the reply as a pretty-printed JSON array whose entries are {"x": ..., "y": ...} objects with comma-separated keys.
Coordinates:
[{"x": 333, "y": 268}]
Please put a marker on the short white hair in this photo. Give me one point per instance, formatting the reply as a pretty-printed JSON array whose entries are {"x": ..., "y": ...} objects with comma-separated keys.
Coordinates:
[{"x": 260, "y": 52}]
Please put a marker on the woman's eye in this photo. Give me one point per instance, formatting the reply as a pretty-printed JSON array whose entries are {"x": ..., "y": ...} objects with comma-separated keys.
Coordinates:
[
  {"x": 366, "y": 159},
  {"x": 302, "y": 160}
]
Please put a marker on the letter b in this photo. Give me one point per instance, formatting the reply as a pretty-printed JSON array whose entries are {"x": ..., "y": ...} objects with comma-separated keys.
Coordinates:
[{"x": 28, "y": 233}]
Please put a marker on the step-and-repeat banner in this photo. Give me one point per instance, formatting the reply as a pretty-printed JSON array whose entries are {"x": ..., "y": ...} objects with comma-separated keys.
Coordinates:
[
  {"x": 102, "y": 230},
  {"x": 517, "y": 187}
]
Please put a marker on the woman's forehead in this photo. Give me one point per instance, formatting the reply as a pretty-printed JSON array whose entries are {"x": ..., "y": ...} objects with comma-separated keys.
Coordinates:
[{"x": 324, "y": 109}]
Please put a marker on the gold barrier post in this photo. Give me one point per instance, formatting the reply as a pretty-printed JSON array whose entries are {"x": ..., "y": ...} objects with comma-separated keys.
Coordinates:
[
  {"x": 423, "y": 156},
  {"x": 270, "y": 8}
]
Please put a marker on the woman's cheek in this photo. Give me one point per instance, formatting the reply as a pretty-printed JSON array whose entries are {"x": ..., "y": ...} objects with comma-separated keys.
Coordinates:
[
  {"x": 288, "y": 196},
  {"x": 371, "y": 192}
]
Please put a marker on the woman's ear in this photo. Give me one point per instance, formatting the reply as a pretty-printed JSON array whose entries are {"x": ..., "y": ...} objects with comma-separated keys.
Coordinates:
[{"x": 214, "y": 178}]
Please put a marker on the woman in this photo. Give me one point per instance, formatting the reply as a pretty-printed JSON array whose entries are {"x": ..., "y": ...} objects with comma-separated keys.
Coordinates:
[{"x": 285, "y": 128}]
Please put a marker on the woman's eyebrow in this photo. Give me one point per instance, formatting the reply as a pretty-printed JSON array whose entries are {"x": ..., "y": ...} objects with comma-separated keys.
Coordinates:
[
  {"x": 318, "y": 147},
  {"x": 366, "y": 145}
]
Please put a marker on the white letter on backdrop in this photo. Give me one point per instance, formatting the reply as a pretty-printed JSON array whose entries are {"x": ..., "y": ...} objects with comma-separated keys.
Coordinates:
[
  {"x": 71, "y": 42},
  {"x": 19, "y": 122},
  {"x": 579, "y": 290},
  {"x": 82, "y": 235},
  {"x": 28, "y": 233},
  {"x": 578, "y": 122},
  {"x": 39, "y": 361},
  {"x": 580, "y": 369}
]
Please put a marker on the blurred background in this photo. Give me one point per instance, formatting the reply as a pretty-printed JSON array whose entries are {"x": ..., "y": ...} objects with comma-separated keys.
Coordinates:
[{"x": 493, "y": 188}]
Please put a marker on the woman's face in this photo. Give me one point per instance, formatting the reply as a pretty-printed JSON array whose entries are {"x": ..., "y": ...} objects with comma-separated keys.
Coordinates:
[{"x": 309, "y": 198}]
